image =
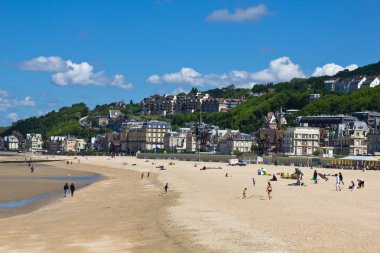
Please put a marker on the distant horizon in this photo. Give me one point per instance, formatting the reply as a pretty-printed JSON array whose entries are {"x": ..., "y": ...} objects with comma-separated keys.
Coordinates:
[{"x": 58, "y": 53}]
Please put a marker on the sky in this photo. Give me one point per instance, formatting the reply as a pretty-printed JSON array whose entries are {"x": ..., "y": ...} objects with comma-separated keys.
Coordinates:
[{"x": 57, "y": 53}]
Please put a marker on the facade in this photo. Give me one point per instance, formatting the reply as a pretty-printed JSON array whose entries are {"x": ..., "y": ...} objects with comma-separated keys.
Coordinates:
[
  {"x": 220, "y": 104},
  {"x": 69, "y": 144},
  {"x": 300, "y": 141},
  {"x": 270, "y": 140},
  {"x": 168, "y": 105},
  {"x": 55, "y": 143},
  {"x": 176, "y": 141},
  {"x": 354, "y": 143},
  {"x": 80, "y": 145},
  {"x": 33, "y": 142},
  {"x": 314, "y": 96},
  {"x": 351, "y": 83},
  {"x": 11, "y": 143},
  {"x": 371, "y": 118},
  {"x": 373, "y": 144},
  {"x": 235, "y": 141},
  {"x": 153, "y": 133}
]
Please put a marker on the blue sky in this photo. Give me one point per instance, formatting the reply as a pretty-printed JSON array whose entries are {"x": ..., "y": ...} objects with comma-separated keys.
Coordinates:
[{"x": 56, "y": 53}]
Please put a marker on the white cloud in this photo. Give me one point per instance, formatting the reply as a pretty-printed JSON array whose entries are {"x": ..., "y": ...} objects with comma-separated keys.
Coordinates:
[
  {"x": 279, "y": 70},
  {"x": 119, "y": 81},
  {"x": 71, "y": 73},
  {"x": 3, "y": 93},
  {"x": 81, "y": 74},
  {"x": 7, "y": 103},
  {"x": 13, "y": 116},
  {"x": 42, "y": 63},
  {"x": 331, "y": 69},
  {"x": 251, "y": 14},
  {"x": 179, "y": 90}
]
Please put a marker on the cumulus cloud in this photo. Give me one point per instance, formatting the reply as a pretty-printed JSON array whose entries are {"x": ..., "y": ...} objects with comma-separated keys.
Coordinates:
[
  {"x": 251, "y": 14},
  {"x": 71, "y": 73},
  {"x": 81, "y": 74},
  {"x": 119, "y": 81},
  {"x": 331, "y": 69},
  {"x": 279, "y": 70},
  {"x": 6, "y": 102},
  {"x": 42, "y": 63},
  {"x": 13, "y": 116}
]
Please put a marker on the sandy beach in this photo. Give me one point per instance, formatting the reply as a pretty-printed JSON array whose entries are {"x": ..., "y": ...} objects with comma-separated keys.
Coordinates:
[{"x": 202, "y": 212}]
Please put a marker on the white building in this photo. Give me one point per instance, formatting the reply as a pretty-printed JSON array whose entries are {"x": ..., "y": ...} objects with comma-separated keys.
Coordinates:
[
  {"x": 176, "y": 141},
  {"x": 300, "y": 141},
  {"x": 235, "y": 141},
  {"x": 11, "y": 142},
  {"x": 33, "y": 142}
]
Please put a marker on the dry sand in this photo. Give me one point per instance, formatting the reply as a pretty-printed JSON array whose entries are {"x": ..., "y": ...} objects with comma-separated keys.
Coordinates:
[{"x": 203, "y": 212}]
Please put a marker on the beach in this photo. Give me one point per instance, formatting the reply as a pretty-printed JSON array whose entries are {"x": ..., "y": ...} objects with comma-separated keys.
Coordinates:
[{"x": 203, "y": 211}]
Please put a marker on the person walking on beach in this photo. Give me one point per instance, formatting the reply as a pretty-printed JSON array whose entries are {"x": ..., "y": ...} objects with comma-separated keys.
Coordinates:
[
  {"x": 72, "y": 189},
  {"x": 66, "y": 189},
  {"x": 148, "y": 174},
  {"x": 341, "y": 178},
  {"x": 244, "y": 193},
  {"x": 166, "y": 188},
  {"x": 315, "y": 177},
  {"x": 253, "y": 182},
  {"x": 269, "y": 190},
  {"x": 142, "y": 176},
  {"x": 337, "y": 181},
  {"x": 31, "y": 169}
]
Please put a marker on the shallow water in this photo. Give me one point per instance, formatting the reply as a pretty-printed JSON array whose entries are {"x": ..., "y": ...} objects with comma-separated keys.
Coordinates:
[{"x": 23, "y": 202}]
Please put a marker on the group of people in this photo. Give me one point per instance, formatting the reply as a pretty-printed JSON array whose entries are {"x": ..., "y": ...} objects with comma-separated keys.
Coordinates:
[
  {"x": 339, "y": 181},
  {"x": 268, "y": 190},
  {"x": 66, "y": 189}
]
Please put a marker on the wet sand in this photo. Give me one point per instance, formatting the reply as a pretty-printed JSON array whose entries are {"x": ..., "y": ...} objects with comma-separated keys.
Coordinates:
[{"x": 121, "y": 213}]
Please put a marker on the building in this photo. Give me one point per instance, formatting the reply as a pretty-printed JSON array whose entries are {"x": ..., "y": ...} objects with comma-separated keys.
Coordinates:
[
  {"x": 54, "y": 144},
  {"x": 33, "y": 142},
  {"x": 168, "y": 105},
  {"x": 220, "y": 104},
  {"x": 352, "y": 139},
  {"x": 314, "y": 96},
  {"x": 235, "y": 141},
  {"x": 330, "y": 85},
  {"x": 330, "y": 122},
  {"x": 69, "y": 144},
  {"x": 11, "y": 143},
  {"x": 371, "y": 118},
  {"x": 80, "y": 145},
  {"x": 146, "y": 136},
  {"x": 102, "y": 120},
  {"x": 354, "y": 143},
  {"x": 350, "y": 84},
  {"x": 176, "y": 140},
  {"x": 115, "y": 114},
  {"x": 373, "y": 144},
  {"x": 270, "y": 140},
  {"x": 300, "y": 141}
]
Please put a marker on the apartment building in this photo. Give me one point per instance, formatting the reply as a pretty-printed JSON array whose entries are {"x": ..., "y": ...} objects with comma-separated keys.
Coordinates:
[
  {"x": 300, "y": 141},
  {"x": 220, "y": 104}
]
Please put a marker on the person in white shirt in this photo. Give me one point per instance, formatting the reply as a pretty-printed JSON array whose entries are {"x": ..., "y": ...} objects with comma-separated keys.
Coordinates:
[{"x": 337, "y": 181}]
